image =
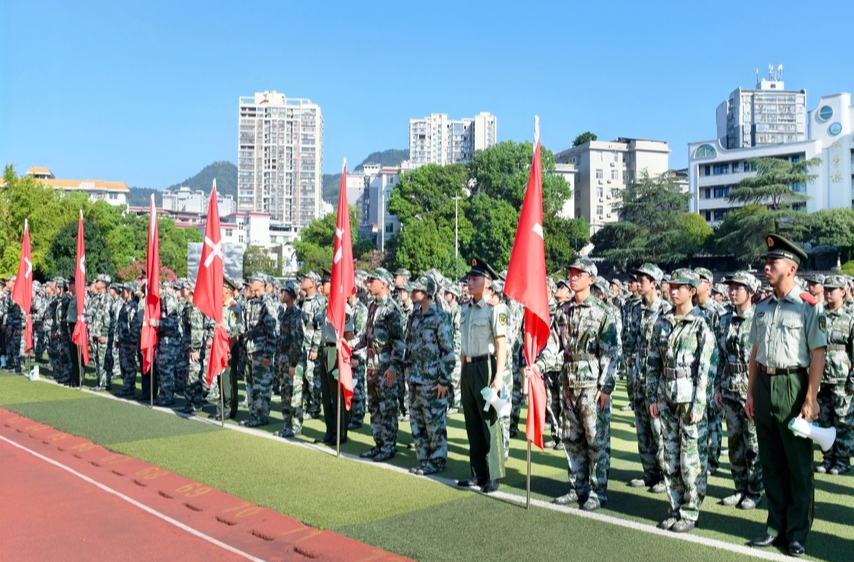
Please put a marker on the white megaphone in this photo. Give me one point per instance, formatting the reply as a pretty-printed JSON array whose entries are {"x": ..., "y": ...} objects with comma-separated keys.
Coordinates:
[
  {"x": 502, "y": 407},
  {"x": 824, "y": 436}
]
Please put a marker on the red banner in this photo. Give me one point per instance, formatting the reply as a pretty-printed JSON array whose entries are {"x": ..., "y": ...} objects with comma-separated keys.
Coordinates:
[
  {"x": 23, "y": 291},
  {"x": 148, "y": 338},
  {"x": 80, "y": 337}
]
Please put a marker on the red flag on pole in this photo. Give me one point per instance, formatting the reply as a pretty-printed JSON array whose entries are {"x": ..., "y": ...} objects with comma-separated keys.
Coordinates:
[
  {"x": 148, "y": 337},
  {"x": 23, "y": 292},
  {"x": 343, "y": 285},
  {"x": 526, "y": 284},
  {"x": 208, "y": 294},
  {"x": 81, "y": 334}
]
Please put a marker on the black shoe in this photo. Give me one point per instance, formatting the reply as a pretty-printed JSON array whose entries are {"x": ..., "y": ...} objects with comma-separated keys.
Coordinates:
[
  {"x": 764, "y": 541},
  {"x": 354, "y": 425},
  {"x": 683, "y": 526},
  {"x": 324, "y": 440},
  {"x": 285, "y": 433},
  {"x": 470, "y": 483},
  {"x": 489, "y": 487},
  {"x": 332, "y": 442},
  {"x": 99, "y": 388},
  {"x": 796, "y": 549},
  {"x": 370, "y": 453},
  {"x": 382, "y": 457}
]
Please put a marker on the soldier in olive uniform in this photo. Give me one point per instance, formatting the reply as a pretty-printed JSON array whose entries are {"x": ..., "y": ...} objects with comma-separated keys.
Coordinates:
[
  {"x": 683, "y": 357},
  {"x": 483, "y": 354},
  {"x": 731, "y": 392},
  {"x": 789, "y": 338}
]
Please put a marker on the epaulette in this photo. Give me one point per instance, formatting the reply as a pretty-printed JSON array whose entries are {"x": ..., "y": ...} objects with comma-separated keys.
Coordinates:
[{"x": 807, "y": 297}]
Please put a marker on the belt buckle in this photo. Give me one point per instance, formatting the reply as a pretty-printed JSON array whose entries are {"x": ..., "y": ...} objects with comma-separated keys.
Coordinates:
[
  {"x": 771, "y": 370},
  {"x": 468, "y": 359}
]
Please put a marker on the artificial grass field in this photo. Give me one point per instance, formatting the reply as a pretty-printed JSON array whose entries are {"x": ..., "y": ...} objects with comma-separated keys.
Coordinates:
[{"x": 415, "y": 516}]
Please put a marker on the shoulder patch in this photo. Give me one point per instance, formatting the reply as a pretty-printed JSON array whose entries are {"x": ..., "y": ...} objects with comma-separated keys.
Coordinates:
[
  {"x": 502, "y": 318},
  {"x": 806, "y": 297},
  {"x": 822, "y": 323}
]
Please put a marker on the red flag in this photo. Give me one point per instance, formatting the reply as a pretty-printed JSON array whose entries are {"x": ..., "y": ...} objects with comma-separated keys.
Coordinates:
[
  {"x": 208, "y": 294},
  {"x": 23, "y": 291},
  {"x": 81, "y": 333},
  {"x": 343, "y": 284},
  {"x": 148, "y": 337},
  {"x": 526, "y": 284}
]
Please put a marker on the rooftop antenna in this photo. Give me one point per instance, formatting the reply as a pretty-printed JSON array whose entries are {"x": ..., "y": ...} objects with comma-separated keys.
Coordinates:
[
  {"x": 771, "y": 72},
  {"x": 779, "y": 72},
  {"x": 757, "y": 77}
]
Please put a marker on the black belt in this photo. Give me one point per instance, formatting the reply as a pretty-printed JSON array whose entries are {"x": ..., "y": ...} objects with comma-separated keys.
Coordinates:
[
  {"x": 478, "y": 359},
  {"x": 333, "y": 344},
  {"x": 773, "y": 371}
]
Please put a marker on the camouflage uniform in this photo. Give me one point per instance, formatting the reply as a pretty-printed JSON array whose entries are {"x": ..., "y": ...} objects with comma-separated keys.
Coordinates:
[
  {"x": 260, "y": 343},
  {"x": 15, "y": 323},
  {"x": 835, "y": 393},
  {"x": 735, "y": 347},
  {"x": 429, "y": 362},
  {"x": 65, "y": 354},
  {"x": 357, "y": 406},
  {"x": 292, "y": 354},
  {"x": 169, "y": 335},
  {"x": 198, "y": 329},
  {"x": 49, "y": 327},
  {"x": 589, "y": 346},
  {"x": 683, "y": 349},
  {"x": 232, "y": 319},
  {"x": 38, "y": 310},
  {"x": 629, "y": 304},
  {"x": 513, "y": 379},
  {"x": 113, "y": 347},
  {"x": 384, "y": 341},
  {"x": 311, "y": 307},
  {"x": 713, "y": 311},
  {"x": 454, "y": 311},
  {"x": 637, "y": 346},
  {"x": 406, "y": 310},
  {"x": 128, "y": 329}
]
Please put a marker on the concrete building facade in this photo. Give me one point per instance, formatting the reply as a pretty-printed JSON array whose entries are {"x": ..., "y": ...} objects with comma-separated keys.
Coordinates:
[
  {"x": 115, "y": 193},
  {"x": 186, "y": 200},
  {"x": 436, "y": 139},
  {"x": 280, "y": 158}
]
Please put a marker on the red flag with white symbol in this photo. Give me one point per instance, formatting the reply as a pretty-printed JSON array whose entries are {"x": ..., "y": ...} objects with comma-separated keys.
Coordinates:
[
  {"x": 151, "y": 312},
  {"x": 526, "y": 284},
  {"x": 208, "y": 295},
  {"x": 80, "y": 337},
  {"x": 343, "y": 285},
  {"x": 23, "y": 291}
]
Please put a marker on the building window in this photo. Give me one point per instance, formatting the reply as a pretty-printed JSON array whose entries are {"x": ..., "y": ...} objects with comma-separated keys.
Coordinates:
[
  {"x": 615, "y": 174},
  {"x": 599, "y": 210},
  {"x": 599, "y": 192},
  {"x": 721, "y": 192},
  {"x": 719, "y": 169},
  {"x": 600, "y": 174},
  {"x": 705, "y": 151}
]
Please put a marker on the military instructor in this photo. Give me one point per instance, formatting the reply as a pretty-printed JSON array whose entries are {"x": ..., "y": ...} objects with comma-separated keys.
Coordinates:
[{"x": 789, "y": 339}]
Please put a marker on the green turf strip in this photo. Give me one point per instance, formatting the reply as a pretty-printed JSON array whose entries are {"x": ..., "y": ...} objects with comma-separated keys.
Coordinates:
[{"x": 410, "y": 515}]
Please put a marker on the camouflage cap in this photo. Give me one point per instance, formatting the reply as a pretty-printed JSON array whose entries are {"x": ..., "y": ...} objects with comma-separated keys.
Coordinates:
[
  {"x": 383, "y": 275},
  {"x": 118, "y": 287},
  {"x": 257, "y": 276},
  {"x": 454, "y": 289},
  {"x": 424, "y": 283},
  {"x": 361, "y": 274},
  {"x": 704, "y": 273},
  {"x": 552, "y": 284},
  {"x": 719, "y": 288},
  {"x": 104, "y": 278},
  {"x": 835, "y": 282},
  {"x": 13, "y": 278},
  {"x": 650, "y": 270},
  {"x": 497, "y": 285},
  {"x": 227, "y": 282},
  {"x": 685, "y": 276},
  {"x": 603, "y": 287},
  {"x": 325, "y": 275},
  {"x": 586, "y": 265},
  {"x": 290, "y": 287},
  {"x": 562, "y": 283},
  {"x": 403, "y": 273},
  {"x": 779, "y": 247},
  {"x": 743, "y": 278},
  {"x": 816, "y": 279},
  {"x": 406, "y": 287},
  {"x": 311, "y": 275}
]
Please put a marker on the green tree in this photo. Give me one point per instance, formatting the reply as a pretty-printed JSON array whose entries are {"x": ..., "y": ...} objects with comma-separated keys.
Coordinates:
[
  {"x": 422, "y": 248},
  {"x": 584, "y": 138},
  {"x": 314, "y": 247},
  {"x": 834, "y": 227},
  {"x": 257, "y": 259},
  {"x": 743, "y": 231},
  {"x": 563, "y": 239},
  {"x": 696, "y": 232}
]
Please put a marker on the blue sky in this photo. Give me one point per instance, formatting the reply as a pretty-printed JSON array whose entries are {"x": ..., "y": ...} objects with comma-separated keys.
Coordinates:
[{"x": 147, "y": 92}]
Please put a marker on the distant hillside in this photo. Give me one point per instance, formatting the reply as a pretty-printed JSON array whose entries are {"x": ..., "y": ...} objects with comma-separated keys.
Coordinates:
[
  {"x": 390, "y": 157},
  {"x": 225, "y": 174}
]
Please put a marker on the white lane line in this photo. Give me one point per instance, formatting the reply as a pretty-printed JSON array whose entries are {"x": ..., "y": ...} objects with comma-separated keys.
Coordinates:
[{"x": 141, "y": 506}]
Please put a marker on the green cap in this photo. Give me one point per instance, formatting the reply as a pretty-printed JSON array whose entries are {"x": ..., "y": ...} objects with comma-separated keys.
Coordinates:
[
  {"x": 779, "y": 247},
  {"x": 424, "y": 283},
  {"x": 586, "y": 265},
  {"x": 743, "y": 278},
  {"x": 704, "y": 273},
  {"x": 383, "y": 275},
  {"x": 685, "y": 276},
  {"x": 649, "y": 269},
  {"x": 835, "y": 282}
]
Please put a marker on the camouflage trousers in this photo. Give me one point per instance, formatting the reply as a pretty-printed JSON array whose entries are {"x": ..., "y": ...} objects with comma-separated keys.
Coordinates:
[
  {"x": 382, "y": 405},
  {"x": 115, "y": 362},
  {"x": 62, "y": 359},
  {"x": 128, "y": 364},
  {"x": 39, "y": 339},
  {"x": 403, "y": 396},
  {"x": 681, "y": 460},
  {"x": 292, "y": 398},
  {"x": 261, "y": 378},
  {"x": 505, "y": 422},
  {"x": 311, "y": 391},
  {"x": 99, "y": 360},
  {"x": 194, "y": 388},
  {"x": 454, "y": 393},
  {"x": 649, "y": 437},
  {"x": 14, "y": 349},
  {"x": 357, "y": 406},
  {"x": 428, "y": 417},
  {"x": 715, "y": 417},
  {"x": 182, "y": 370},
  {"x": 517, "y": 397},
  {"x": 554, "y": 399},
  {"x": 586, "y": 430},
  {"x": 166, "y": 360},
  {"x": 836, "y": 409},
  {"x": 743, "y": 449}
]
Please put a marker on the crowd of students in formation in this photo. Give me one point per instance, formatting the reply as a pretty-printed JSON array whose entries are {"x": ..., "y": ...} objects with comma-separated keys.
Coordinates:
[{"x": 691, "y": 351}]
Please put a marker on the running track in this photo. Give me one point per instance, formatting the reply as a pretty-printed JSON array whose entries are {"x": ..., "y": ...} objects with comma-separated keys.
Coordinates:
[{"x": 64, "y": 498}]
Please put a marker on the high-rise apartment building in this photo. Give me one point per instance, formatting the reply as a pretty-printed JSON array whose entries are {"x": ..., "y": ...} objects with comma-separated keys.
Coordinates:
[
  {"x": 436, "y": 139},
  {"x": 768, "y": 114},
  {"x": 604, "y": 169},
  {"x": 280, "y": 158}
]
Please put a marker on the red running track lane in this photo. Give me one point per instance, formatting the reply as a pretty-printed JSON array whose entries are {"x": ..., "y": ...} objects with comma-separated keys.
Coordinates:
[{"x": 64, "y": 498}]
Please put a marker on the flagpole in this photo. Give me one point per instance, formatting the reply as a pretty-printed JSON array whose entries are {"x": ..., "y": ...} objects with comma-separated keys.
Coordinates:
[
  {"x": 79, "y": 369},
  {"x": 338, "y": 422},
  {"x": 151, "y": 381},
  {"x": 528, "y": 479},
  {"x": 221, "y": 399}
]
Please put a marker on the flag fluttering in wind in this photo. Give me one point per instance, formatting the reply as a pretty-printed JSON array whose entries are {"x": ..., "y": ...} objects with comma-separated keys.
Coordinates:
[
  {"x": 526, "y": 284},
  {"x": 208, "y": 294},
  {"x": 23, "y": 291},
  {"x": 148, "y": 337},
  {"x": 343, "y": 285},
  {"x": 80, "y": 337}
]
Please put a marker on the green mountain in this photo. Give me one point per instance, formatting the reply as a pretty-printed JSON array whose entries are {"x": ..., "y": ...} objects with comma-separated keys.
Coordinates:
[
  {"x": 225, "y": 174},
  {"x": 390, "y": 157}
]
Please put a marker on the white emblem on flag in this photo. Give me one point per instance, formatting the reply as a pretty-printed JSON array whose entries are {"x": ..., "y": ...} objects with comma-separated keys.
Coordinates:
[
  {"x": 83, "y": 264},
  {"x": 337, "y": 256},
  {"x": 539, "y": 230},
  {"x": 29, "y": 268},
  {"x": 339, "y": 233},
  {"x": 216, "y": 250}
]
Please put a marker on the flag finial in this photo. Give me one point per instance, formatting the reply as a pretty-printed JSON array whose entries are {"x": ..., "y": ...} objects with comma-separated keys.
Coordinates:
[
  {"x": 26, "y": 224},
  {"x": 536, "y": 130},
  {"x": 344, "y": 165}
]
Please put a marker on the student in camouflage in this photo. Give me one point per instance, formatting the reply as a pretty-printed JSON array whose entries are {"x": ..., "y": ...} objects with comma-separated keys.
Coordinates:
[
  {"x": 403, "y": 298},
  {"x": 14, "y": 322},
  {"x": 311, "y": 305},
  {"x": 713, "y": 310},
  {"x": 169, "y": 334},
  {"x": 357, "y": 405},
  {"x": 128, "y": 329},
  {"x": 682, "y": 358},
  {"x": 837, "y": 383},
  {"x": 232, "y": 321},
  {"x": 552, "y": 377},
  {"x": 384, "y": 340},
  {"x": 588, "y": 345},
  {"x": 37, "y": 310},
  {"x": 428, "y": 365},
  {"x": 195, "y": 322},
  {"x": 98, "y": 322},
  {"x": 292, "y": 358},
  {"x": 260, "y": 343},
  {"x": 731, "y": 392},
  {"x": 452, "y": 297},
  {"x": 636, "y": 349}
]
